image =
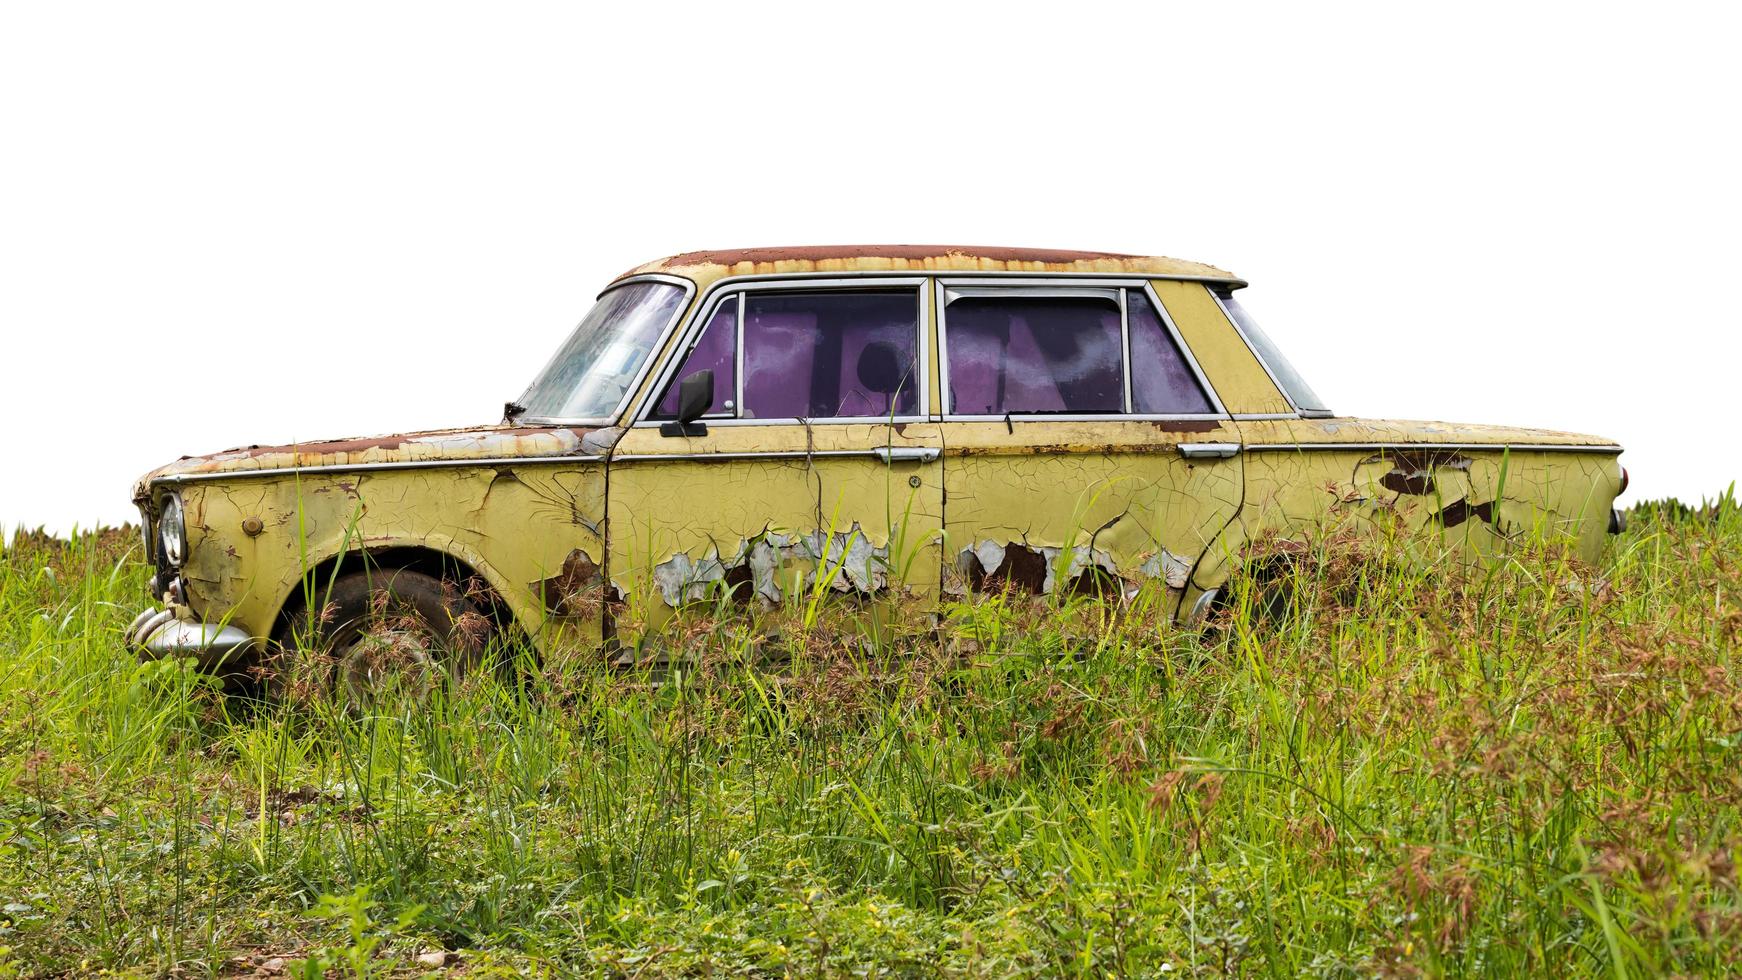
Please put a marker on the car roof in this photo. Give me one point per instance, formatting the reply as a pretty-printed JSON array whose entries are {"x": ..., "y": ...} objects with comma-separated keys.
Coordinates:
[{"x": 705, "y": 267}]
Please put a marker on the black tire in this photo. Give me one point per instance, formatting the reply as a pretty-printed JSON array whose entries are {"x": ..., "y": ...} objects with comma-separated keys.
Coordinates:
[{"x": 373, "y": 630}]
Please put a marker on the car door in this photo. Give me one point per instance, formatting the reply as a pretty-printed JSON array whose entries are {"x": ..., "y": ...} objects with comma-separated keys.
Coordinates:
[
  {"x": 1084, "y": 447},
  {"x": 815, "y": 468}
]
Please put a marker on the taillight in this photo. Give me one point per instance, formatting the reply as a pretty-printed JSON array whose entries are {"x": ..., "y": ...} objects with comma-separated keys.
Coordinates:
[{"x": 1623, "y": 482}]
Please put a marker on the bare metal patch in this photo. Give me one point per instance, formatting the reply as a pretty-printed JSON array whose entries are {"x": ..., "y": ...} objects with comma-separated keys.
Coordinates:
[
  {"x": 565, "y": 593},
  {"x": 847, "y": 561},
  {"x": 684, "y": 579}
]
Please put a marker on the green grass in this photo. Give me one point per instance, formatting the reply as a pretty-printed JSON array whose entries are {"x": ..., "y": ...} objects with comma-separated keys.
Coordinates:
[{"x": 1532, "y": 770}]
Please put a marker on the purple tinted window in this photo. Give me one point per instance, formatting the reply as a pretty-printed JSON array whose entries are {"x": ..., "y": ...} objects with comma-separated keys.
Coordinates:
[
  {"x": 834, "y": 354},
  {"x": 1035, "y": 354},
  {"x": 715, "y": 350},
  {"x": 1161, "y": 382}
]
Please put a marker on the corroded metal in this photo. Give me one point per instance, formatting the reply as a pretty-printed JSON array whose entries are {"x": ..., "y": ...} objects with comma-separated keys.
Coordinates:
[{"x": 706, "y": 267}]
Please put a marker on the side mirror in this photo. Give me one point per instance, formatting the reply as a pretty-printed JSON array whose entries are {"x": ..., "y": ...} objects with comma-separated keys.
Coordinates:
[{"x": 695, "y": 395}]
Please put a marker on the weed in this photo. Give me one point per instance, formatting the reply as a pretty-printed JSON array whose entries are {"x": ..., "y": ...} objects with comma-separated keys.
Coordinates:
[{"x": 1368, "y": 763}]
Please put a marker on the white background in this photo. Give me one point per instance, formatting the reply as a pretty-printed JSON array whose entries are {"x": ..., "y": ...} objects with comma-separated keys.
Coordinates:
[{"x": 223, "y": 224}]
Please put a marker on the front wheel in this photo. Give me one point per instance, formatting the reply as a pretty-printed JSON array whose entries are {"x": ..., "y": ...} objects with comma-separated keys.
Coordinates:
[{"x": 376, "y": 632}]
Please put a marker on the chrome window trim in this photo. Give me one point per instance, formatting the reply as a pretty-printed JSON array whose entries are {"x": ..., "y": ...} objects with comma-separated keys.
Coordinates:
[
  {"x": 941, "y": 298},
  {"x": 684, "y": 308},
  {"x": 1106, "y": 291},
  {"x": 687, "y": 283},
  {"x": 417, "y": 464},
  {"x": 737, "y": 356},
  {"x": 1125, "y": 348},
  {"x": 950, "y": 286},
  {"x": 843, "y": 420},
  {"x": 1010, "y": 274},
  {"x": 1087, "y": 417},
  {"x": 738, "y": 286},
  {"x": 1259, "y": 357},
  {"x": 1465, "y": 447},
  {"x": 925, "y": 454}
]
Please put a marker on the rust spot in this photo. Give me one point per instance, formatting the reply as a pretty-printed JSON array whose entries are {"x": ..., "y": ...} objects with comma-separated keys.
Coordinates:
[
  {"x": 1096, "y": 581},
  {"x": 1084, "y": 449},
  {"x": 1187, "y": 425},
  {"x": 1023, "y": 569},
  {"x": 565, "y": 594},
  {"x": 823, "y": 253},
  {"x": 740, "y": 582},
  {"x": 1412, "y": 469},
  {"x": 938, "y": 257},
  {"x": 1415, "y": 482},
  {"x": 1462, "y": 510},
  {"x": 363, "y": 444}
]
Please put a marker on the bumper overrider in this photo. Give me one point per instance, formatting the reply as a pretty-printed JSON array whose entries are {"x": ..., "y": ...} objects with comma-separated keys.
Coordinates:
[{"x": 158, "y": 633}]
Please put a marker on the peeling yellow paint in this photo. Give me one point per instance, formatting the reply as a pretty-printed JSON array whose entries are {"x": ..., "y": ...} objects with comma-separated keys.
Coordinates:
[
  {"x": 688, "y": 510},
  {"x": 514, "y": 526},
  {"x": 1472, "y": 491},
  {"x": 1117, "y": 496}
]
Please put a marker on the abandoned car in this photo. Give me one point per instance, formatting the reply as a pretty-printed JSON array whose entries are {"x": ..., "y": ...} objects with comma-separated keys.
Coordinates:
[{"x": 753, "y": 426}]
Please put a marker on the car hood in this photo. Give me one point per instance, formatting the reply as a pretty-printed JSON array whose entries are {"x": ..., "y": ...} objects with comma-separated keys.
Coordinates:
[{"x": 485, "y": 442}]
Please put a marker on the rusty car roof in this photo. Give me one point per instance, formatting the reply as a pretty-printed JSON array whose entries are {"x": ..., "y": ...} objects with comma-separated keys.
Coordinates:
[{"x": 705, "y": 267}]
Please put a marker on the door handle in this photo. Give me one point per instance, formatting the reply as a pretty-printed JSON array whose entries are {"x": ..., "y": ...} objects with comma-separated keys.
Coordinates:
[
  {"x": 1208, "y": 450},
  {"x": 907, "y": 454}
]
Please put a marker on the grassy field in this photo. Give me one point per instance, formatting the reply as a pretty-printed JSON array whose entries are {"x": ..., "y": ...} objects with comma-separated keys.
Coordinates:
[{"x": 1532, "y": 770}]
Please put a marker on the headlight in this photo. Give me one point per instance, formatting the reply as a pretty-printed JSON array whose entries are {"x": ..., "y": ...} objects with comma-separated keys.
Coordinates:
[{"x": 172, "y": 534}]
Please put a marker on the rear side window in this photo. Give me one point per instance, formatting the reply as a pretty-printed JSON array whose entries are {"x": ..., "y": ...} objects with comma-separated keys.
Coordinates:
[
  {"x": 810, "y": 355},
  {"x": 1017, "y": 351},
  {"x": 1162, "y": 383}
]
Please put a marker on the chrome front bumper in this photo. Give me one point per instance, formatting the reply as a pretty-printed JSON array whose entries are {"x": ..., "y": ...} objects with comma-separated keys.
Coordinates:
[{"x": 157, "y": 633}]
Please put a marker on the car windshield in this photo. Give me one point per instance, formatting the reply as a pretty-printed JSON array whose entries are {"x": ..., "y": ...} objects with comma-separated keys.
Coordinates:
[
  {"x": 1286, "y": 376},
  {"x": 589, "y": 377}
]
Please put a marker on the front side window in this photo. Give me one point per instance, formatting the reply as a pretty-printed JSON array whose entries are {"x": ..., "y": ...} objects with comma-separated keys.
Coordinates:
[
  {"x": 825, "y": 354},
  {"x": 1287, "y": 378},
  {"x": 1015, "y": 354},
  {"x": 593, "y": 371},
  {"x": 1086, "y": 351}
]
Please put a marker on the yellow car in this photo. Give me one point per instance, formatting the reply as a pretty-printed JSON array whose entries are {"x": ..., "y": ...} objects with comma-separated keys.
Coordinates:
[{"x": 886, "y": 423}]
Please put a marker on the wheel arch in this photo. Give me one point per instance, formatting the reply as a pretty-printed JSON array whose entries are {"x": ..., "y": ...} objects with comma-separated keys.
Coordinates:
[{"x": 447, "y": 561}]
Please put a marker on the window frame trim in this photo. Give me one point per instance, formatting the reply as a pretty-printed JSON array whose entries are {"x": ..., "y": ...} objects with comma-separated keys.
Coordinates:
[
  {"x": 739, "y": 287},
  {"x": 1065, "y": 286}
]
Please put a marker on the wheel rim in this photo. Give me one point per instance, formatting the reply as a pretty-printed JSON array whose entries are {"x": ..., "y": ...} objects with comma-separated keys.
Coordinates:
[{"x": 383, "y": 660}]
